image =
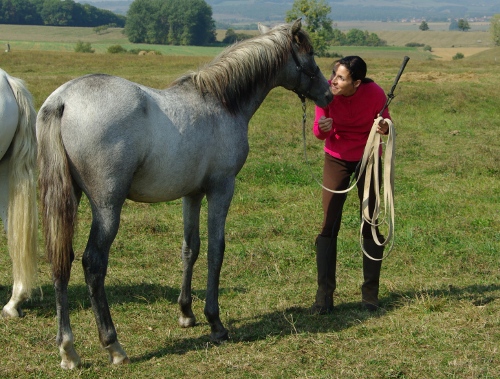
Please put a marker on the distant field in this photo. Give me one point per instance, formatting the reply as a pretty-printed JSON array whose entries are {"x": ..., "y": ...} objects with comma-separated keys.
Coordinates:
[
  {"x": 51, "y": 38},
  {"x": 445, "y": 44}
]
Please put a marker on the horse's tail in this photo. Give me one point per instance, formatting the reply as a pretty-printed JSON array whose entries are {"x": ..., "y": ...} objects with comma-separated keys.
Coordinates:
[
  {"x": 57, "y": 195},
  {"x": 22, "y": 224}
]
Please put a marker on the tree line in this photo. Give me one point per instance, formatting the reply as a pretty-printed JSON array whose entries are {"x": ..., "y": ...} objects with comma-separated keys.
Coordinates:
[{"x": 56, "y": 13}]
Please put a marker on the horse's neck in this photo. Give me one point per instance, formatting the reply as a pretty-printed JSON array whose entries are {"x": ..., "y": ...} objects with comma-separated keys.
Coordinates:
[{"x": 251, "y": 106}]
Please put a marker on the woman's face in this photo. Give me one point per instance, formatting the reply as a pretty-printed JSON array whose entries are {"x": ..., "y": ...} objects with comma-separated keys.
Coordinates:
[{"x": 342, "y": 83}]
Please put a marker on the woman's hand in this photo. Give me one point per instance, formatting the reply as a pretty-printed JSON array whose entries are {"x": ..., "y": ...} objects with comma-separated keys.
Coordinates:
[
  {"x": 383, "y": 127},
  {"x": 325, "y": 124}
]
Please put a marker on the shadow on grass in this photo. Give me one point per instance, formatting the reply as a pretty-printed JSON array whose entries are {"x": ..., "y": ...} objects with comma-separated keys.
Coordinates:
[
  {"x": 42, "y": 303},
  {"x": 277, "y": 324},
  {"x": 297, "y": 320}
]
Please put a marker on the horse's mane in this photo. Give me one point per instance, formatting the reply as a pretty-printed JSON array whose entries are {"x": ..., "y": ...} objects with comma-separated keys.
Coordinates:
[{"x": 235, "y": 73}]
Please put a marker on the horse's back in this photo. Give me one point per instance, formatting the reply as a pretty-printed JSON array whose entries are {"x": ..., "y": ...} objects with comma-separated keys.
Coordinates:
[{"x": 155, "y": 145}]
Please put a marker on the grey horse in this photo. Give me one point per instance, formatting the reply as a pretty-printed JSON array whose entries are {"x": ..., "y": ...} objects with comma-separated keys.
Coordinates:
[{"x": 112, "y": 140}]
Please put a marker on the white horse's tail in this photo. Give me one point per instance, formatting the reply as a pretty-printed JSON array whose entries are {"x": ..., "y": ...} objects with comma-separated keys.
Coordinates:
[
  {"x": 22, "y": 224},
  {"x": 57, "y": 196}
]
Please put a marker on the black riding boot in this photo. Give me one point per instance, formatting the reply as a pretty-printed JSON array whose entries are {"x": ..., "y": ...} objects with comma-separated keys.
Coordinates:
[
  {"x": 326, "y": 262},
  {"x": 371, "y": 274}
]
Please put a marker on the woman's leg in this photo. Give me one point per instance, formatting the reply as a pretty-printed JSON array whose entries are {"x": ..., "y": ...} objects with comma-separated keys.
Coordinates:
[{"x": 336, "y": 176}]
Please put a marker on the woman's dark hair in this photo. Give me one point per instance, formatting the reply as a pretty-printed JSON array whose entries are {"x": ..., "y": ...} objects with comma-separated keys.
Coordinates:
[{"x": 356, "y": 67}]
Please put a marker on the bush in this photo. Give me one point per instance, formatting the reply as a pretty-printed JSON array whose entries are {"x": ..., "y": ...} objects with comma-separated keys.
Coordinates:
[
  {"x": 332, "y": 55},
  {"x": 83, "y": 47},
  {"x": 427, "y": 48},
  {"x": 414, "y": 44},
  {"x": 458, "y": 56},
  {"x": 144, "y": 52},
  {"x": 116, "y": 49}
]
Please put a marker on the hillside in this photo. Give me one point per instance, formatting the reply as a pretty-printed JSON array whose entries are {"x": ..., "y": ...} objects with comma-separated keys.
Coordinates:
[{"x": 244, "y": 11}]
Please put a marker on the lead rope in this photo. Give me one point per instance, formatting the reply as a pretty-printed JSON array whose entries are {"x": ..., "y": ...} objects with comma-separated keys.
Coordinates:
[{"x": 370, "y": 163}]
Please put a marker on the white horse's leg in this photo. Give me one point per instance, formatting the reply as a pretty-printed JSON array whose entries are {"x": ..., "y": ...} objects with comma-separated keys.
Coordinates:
[
  {"x": 191, "y": 206},
  {"x": 219, "y": 198},
  {"x": 19, "y": 293}
]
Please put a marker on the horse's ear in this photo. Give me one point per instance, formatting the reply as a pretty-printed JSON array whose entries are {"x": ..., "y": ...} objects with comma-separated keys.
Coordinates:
[
  {"x": 262, "y": 28},
  {"x": 297, "y": 25}
]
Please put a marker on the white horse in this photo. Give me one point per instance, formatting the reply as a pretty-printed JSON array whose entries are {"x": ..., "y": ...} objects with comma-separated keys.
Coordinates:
[
  {"x": 18, "y": 207},
  {"x": 112, "y": 139}
]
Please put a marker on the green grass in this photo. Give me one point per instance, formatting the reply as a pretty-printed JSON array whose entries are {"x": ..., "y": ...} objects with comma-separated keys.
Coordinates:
[{"x": 440, "y": 289}]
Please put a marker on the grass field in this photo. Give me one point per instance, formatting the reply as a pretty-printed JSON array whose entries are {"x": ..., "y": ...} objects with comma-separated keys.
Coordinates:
[{"x": 440, "y": 287}]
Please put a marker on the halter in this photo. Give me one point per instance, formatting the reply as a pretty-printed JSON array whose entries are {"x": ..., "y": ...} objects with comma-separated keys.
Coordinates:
[{"x": 302, "y": 70}]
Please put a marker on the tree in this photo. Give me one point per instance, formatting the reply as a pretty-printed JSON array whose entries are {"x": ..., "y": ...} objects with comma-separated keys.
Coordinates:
[
  {"x": 463, "y": 25},
  {"x": 187, "y": 22},
  {"x": 316, "y": 20},
  {"x": 495, "y": 29},
  {"x": 423, "y": 26},
  {"x": 140, "y": 19},
  {"x": 355, "y": 37}
]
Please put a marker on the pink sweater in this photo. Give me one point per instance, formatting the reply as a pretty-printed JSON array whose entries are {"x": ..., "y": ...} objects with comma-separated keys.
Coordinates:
[{"x": 353, "y": 118}]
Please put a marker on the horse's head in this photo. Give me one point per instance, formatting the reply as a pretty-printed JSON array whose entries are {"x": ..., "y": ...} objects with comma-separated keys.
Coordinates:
[{"x": 301, "y": 74}]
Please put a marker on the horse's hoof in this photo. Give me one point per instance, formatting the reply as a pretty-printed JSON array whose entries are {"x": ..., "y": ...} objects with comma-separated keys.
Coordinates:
[
  {"x": 69, "y": 357},
  {"x": 117, "y": 355},
  {"x": 220, "y": 337},
  {"x": 12, "y": 312},
  {"x": 120, "y": 360},
  {"x": 70, "y": 365},
  {"x": 187, "y": 322}
]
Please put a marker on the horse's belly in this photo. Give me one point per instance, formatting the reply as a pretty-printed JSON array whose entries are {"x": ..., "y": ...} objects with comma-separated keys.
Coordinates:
[{"x": 154, "y": 187}]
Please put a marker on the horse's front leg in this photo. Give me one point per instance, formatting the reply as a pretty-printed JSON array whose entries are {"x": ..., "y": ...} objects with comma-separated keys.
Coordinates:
[
  {"x": 191, "y": 206},
  {"x": 95, "y": 261},
  {"x": 219, "y": 198}
]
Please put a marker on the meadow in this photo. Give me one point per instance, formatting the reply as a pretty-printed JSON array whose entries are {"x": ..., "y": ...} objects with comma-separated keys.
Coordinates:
[{"x": 440, "y": 286}]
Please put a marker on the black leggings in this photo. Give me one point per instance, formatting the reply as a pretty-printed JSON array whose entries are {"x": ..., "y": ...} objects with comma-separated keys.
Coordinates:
[{"x": 336, "y": 176}]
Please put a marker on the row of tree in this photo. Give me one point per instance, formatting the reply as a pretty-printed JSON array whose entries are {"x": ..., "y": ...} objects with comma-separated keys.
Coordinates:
[
  {"x": 461, "y": 24},
  {"x": 55, "y": 13}
]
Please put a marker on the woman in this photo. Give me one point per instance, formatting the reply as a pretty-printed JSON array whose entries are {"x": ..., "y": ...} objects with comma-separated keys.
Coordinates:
[{"x": 344, "y": 125}]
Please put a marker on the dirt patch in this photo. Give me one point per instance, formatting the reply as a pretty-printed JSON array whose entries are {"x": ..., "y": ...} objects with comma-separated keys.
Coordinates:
[{"x": 447, "y": 53}]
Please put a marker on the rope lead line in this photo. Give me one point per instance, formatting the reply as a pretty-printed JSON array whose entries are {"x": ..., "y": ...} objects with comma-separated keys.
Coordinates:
[{"x": 370, "y": 163}]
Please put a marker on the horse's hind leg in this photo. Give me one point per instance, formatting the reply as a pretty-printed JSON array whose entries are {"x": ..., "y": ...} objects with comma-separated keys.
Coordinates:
[
  {"x": 190, "y": 250},
  {"x": 19, "y": 292},
  {"x": 105, "y": 222}
]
